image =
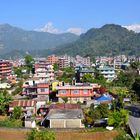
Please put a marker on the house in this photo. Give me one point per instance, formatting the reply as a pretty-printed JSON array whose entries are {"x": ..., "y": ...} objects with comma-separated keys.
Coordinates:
[
  {"x": 35, "y": 89},
  {"x": 101, "y": 99},
  {"x": 64, "y": 116},
  {"x": 75, "y": 93},
  {"x": 81, "y": 70},
  {"x": 26, "y": 105},
  {"x": 107, "y": 72}
]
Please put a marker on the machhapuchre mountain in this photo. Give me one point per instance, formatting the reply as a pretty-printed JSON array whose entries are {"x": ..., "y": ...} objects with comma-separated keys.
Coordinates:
[{"x": 109, "y": 40}]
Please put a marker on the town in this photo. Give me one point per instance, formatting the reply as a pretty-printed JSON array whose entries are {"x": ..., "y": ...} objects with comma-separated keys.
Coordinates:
[{"x": 65, "y": 92}]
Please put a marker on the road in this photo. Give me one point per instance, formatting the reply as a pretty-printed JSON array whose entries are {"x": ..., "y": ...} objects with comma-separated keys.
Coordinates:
[{"x": 134, "y": 119}]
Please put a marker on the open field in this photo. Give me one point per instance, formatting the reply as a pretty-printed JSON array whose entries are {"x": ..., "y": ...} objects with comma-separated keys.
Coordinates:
[{"x": 21, "y": 135}]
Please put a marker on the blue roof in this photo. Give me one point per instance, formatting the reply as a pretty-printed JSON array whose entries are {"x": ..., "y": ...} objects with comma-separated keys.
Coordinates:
[{"x": 103, "y": 98}]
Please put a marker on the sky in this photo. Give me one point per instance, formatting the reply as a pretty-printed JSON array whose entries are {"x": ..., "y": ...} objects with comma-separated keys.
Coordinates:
[{"x": 69, "y": 15}]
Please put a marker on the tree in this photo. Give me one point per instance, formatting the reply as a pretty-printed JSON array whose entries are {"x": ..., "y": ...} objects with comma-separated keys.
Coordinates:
[
  {"x": 103, "y": 109},
  {"x": 118, "y": 104},
  {"x": 5, "y": 98},
  {"x": 55, "y": 67},
  {"x": 65, "y": 99},
  {"x": 16, "y": 112},
  {"x": 87, "y": 78},
  {"x": 29, "y": 62},
  {"x": 118, "y": 118},
  {"x": 41, "y": 135},
  {"x": 136, "y": 86}
]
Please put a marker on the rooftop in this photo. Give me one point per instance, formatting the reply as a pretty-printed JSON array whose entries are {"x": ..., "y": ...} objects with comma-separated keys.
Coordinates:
[{"x": 65, "y": 114}]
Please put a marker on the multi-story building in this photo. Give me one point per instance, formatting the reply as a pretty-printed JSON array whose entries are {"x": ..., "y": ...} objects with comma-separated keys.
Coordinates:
[
  {"x": 75, "y": 93},
  {"x": 63, "y": 63},
  {"x": 83, "y": 60},
  {"x": 52, "y": 59},
  {"x": 43, "y": 70},
  {"x": 36, "y": 89},
  {"x": 81, "y": 71},
  {"x": 107, "y": 72},
  {"x": 5, "y": 69}
]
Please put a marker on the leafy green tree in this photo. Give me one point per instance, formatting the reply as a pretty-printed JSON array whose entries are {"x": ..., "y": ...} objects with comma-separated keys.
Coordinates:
[
  {"x": 118, "y": 118},
  {"x": 5, "y": 98},
  {"x": 68, "y": 75},
  {"x": 103, "y": 109},
  {"x": 136, "y": 86},
  {"x": 87, "y": 78},
  {"x": 41, "y": 135},
  {"x": 55, "y": 67},
  {"x": 16, "y": 112},
  {"x": 134, "y": 65},
  {"x": 118, "y": 104},
  {"x": 29, "y": 62},
  {"x": 65, "y": 99}
]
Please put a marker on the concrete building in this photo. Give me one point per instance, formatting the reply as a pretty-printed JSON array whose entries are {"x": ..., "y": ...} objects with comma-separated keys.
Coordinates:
[
  {"x": 75, "y": 93},
  {"x": 36, "y": 89},
  {"x": 83, "y": 60},
  {"x": 107, "y": 72},
  {"x": 52, "y": 59},
  {"x": 65, "y": 118},
  {"x": 5, "y": 69},
  {"x": 81, "y": 70},
  {"x": 44, "y": 71},
  {"x": 63, "y": 63}
]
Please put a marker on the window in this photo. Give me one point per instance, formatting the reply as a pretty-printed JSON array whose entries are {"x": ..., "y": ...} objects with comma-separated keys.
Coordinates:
[
  {"x": 62, "y": 91},
  {"x": 85, "y": 91},
  {"x": 42, "y": 90},
  {"x": 75, "y": 91}
]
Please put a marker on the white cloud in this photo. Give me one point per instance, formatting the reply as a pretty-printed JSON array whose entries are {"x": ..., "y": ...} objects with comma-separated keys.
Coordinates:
[
  {"x": 48, "y": 28},
  {"x": 74, "y": 30},
  {"x": 133, "y": 27},
  {"x": 51, "y": 29}
]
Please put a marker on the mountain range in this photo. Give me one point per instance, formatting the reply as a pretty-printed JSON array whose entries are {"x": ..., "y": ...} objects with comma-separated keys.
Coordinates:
[
  {"x": 16, "y": 39},
  {"x": 109, "y": 40}
]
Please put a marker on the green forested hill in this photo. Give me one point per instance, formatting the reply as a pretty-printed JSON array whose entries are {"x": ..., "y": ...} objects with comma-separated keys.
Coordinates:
[
  {"x": 110, "y": 39},
  {"x": 13, "y": 38}
]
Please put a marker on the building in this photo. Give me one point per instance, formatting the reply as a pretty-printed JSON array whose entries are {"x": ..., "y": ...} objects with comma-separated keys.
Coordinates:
[
  {"x": 81, "y": 71},
  {"x": 75, "y": 93},
  {"x": 26, "y": 105},
  {"x": 52, "y": 59},
  {"x": 36, "y": 89},
  {"x": 5, "y": 69},
  {"x": 43, "y": 70},
  {"x": 83, "y": 60},
  {"x": 107, "y": 72},
  {"x": 63, "y": 63},
  {"x": 64, "y": 116}
]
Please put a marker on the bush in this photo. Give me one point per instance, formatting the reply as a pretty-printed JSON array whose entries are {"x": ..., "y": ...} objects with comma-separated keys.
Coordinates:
[
  {"x": 11, "y": 123},
  {"x": 40, "y": 135}
]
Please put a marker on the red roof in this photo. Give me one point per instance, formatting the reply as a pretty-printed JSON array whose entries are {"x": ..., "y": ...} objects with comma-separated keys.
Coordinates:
[
  {"x": 64, "y": 106},
  {"x": 23, "y": 103}
]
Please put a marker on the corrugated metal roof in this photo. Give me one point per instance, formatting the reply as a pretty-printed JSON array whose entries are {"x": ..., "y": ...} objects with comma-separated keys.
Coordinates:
[{"x": 23, "y": 103}]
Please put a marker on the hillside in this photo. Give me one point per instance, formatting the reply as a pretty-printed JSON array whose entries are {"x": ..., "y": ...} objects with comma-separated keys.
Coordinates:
[
  {"x": 110, "y": 40},
  {"x": 13, "y": 38}
]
